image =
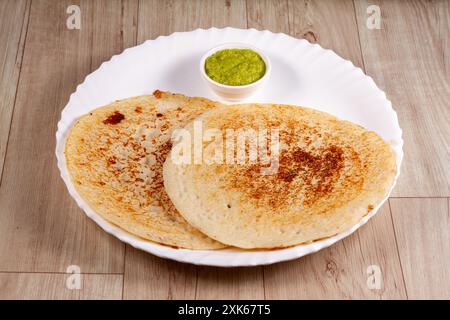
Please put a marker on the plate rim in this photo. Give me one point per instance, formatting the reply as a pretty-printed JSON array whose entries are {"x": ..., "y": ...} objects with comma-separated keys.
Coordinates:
[{"x": 206, "y": 257}]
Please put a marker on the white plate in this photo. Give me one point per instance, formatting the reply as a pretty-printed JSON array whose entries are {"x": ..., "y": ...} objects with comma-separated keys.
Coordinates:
[{"x": 302, "y": 74}]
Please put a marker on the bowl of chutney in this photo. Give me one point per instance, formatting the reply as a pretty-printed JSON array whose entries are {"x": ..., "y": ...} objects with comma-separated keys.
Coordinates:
[{"x": 234, "y": 71}]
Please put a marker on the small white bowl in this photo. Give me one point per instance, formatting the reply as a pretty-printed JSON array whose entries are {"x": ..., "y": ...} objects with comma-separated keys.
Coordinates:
[{"x": 234, "y": 93}]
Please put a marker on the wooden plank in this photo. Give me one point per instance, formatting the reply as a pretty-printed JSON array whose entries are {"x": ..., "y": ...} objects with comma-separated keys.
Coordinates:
[
  {"x": 13, "y": 23},
  {"x": 48, "y": 230},
  {"x": 129, "y": 29},
  {"x": 340, "y": 271},
  {"x": 407, "y": 59},
  {"x": 115, "y": 29},
  {"x": 444, "y": 22},
  {"x": 268, "y": 14},
  {"x": 47, "y": 286},
  {"x": 422, "y": 227},
  {"x": 230, "y": 283},
  {"x": 150, "y": 277},
  {"x": 333, "y": 26},
  {"x": 163, "y": 17}
]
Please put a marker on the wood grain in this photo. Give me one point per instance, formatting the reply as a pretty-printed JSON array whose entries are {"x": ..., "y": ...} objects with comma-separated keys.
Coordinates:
[
  {"x": 422, "y": 227},
  {"x": 14, "y": 24},
  {"x": 444, "y": 26},
  {"x": 163, "y": 17},
  {"x": 270, "y": 15},
  {"x": 150, "y": 277},
  {"x": 44, "y": 286},
  {"x": 332, "y": 25},
  {"x": 48, "y": 230},
  {"x": 340, "y": 272},
  {"x": 113, "y": 26},
  {"x": 230, "y": 283},
  {"x": 129, "y": 26},
  {"x": 406, "y": 58}
]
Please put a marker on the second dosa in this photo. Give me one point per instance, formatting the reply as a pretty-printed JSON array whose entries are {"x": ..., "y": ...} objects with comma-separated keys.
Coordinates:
[{"x": 330, "y": 174}]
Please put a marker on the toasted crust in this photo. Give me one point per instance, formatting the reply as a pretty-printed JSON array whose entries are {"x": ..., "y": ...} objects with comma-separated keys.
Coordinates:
[
  {"x": 331, "y": 173},
  {"x": 115, "y": 155}
]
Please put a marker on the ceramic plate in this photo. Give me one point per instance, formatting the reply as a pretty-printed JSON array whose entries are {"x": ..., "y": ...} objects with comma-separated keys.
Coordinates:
[{"x": 302, "y": 74}]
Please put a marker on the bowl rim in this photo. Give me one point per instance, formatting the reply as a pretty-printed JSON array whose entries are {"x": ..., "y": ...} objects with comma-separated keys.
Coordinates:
[{"x": 235, "y": 45}]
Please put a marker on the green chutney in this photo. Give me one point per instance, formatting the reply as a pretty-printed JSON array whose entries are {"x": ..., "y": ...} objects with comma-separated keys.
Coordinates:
[{"x": 235, "y": 67}]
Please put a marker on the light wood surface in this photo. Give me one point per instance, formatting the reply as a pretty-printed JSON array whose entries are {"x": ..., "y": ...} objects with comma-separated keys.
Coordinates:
[
  {"x": 424, "y": 254},
  {"x": 340, "y": 271},
  {"x": 42, "y": 231},
  {"x": 406, "y": 58},
  {"x": 150, "y": 277},
  {"x": 13, "y": 23},
  {"x": 37, "y": 286}
]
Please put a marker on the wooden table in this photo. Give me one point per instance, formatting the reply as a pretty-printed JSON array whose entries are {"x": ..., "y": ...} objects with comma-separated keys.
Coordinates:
[{"x": 43, "y": 232}]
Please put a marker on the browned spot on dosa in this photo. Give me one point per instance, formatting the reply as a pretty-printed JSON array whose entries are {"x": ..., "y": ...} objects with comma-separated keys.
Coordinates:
[
  {"x": 114, "y": 118},
  {"x": 310, "y": 174},
  {"x": 157, "y": 94}
]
